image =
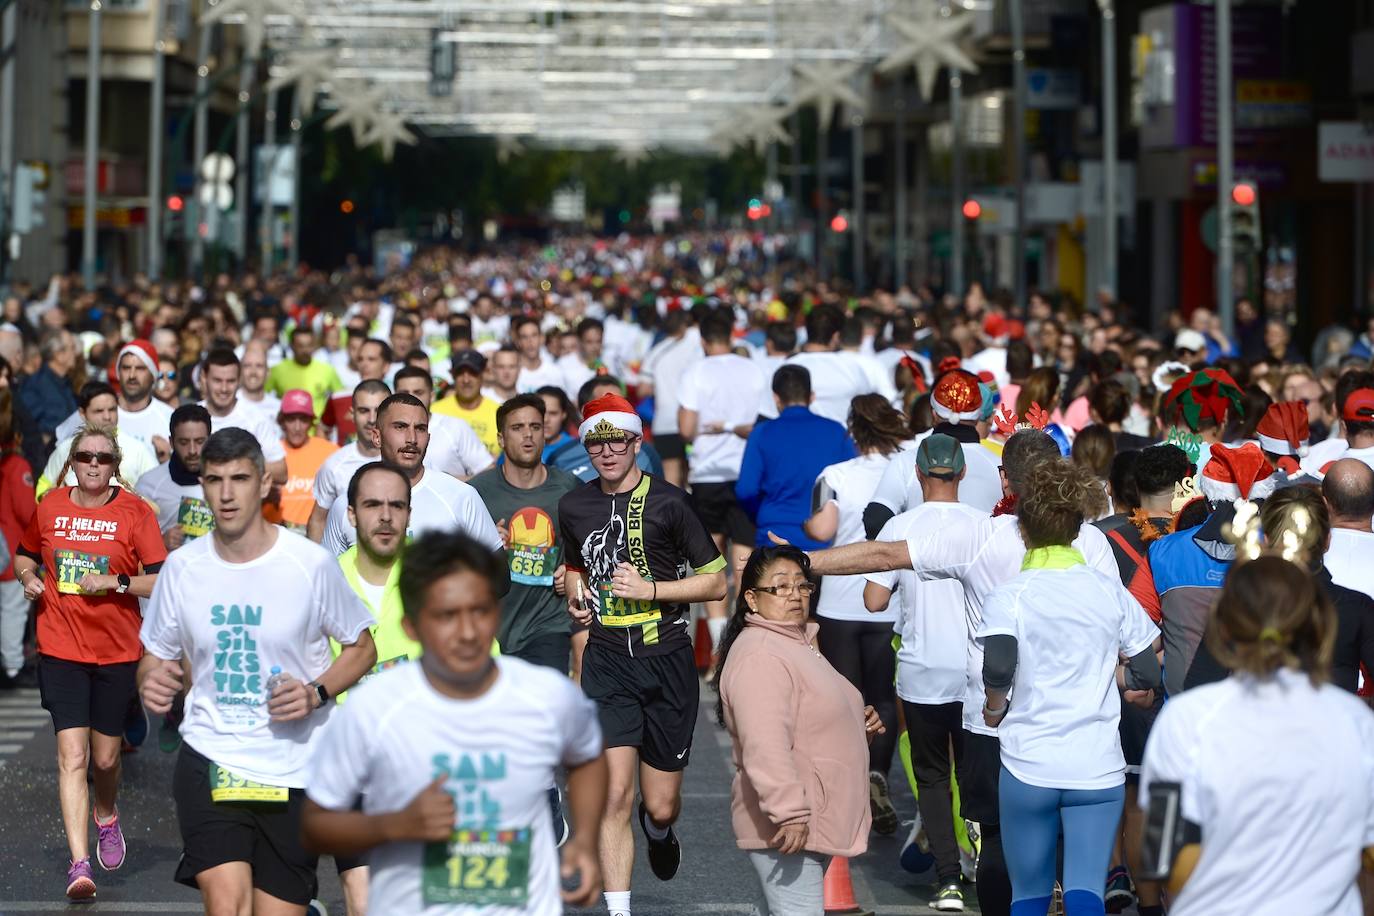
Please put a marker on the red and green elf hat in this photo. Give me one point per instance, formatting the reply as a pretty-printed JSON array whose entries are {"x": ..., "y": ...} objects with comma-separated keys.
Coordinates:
[{"x": 1202, "y": 394}]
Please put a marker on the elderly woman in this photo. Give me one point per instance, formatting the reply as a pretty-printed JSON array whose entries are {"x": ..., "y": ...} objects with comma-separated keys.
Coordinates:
[
  {"x": 800, "y": 733},
  {"x": 99, "y": 548}
]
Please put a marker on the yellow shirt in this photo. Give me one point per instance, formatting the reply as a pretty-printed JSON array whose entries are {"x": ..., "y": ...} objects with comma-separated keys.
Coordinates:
[
  {"x": 319, "y": 378},
  {"x": 482, "y": 419}
]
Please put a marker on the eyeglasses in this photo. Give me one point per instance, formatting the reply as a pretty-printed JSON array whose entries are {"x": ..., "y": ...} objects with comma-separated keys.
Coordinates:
[
  {"x": 805, "y": 589},
  {"x": 167, "y": 376},
  {"x": 84, "y": 457},
  {"x": 615, "y": 446}
]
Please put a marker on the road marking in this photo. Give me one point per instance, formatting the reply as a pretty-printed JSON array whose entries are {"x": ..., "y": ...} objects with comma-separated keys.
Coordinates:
[{"x": 97, "y": 906}]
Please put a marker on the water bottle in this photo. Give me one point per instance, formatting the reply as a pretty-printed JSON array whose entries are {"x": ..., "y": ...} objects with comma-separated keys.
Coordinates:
[{"x": 272, "y": 682}]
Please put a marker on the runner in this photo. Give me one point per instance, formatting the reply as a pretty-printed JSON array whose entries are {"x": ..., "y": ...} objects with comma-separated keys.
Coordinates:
[
  {"x": 373, "y": 359},
  {"x": 250, "y": 610},
  {"x": 338, "y": 468},
  {"x": 174, "y": 487},
  {"x": 141, "y": 415},
  {"x": 451, "y": 757},
  {"x": 438, "y": 501},
  {"x": 453, "y": 446},
  {"x": 305, "y": 371},
  {"x": 635, "y": 538},
  {"x": 467, "y": 402},
  {"x": 220, "y": 383},
  {"x": 97, "y": 406},
  {"x": 293, "y": 503},
  {"x": 100, "y": 551}
]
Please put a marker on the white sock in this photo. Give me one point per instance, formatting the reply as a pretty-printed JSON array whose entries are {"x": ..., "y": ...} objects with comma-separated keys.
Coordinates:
[
  {"x": 716, "y": 627},
  {"x": 617, "y": 902}
]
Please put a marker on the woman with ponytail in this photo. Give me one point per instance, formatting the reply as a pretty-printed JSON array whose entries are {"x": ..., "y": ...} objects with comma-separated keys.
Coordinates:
[
  {"x": 99, "y": 549},
  {"x": 1272, "y": 768},
  {"x": 800, "y": 733}
]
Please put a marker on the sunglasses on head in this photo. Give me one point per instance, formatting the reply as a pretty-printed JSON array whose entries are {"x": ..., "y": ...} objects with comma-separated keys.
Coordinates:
[{"x": 85, "y": 457}]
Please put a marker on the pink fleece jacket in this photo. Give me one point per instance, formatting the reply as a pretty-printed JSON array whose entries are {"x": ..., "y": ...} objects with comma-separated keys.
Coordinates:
[{"x": 800, "y": 752}]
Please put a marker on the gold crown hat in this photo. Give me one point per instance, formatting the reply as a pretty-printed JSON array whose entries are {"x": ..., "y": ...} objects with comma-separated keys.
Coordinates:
[{"x": 609, "y": 417}]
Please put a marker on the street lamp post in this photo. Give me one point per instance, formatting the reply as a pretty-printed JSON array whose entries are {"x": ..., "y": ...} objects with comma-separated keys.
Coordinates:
[
  {"x": 957, "y": 191},
  {"x": 92, "y": 147},
  {"x": 242, "y": 205},
  {"x": 1109, "y": 148},
  {"x": 900, "y": 203},
  {"x": 297, "y": 128},
  {"x": 1018, "y": 133},
  {"x": 155, "y": 130},
  {"x": 269, "y": 140},
  {"x": 857, "y": 205},
  {"x": 1226, "y": 254}
]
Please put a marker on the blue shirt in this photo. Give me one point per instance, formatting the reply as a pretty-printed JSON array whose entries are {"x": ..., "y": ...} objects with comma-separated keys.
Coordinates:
[{"x": 782, "y": 460}]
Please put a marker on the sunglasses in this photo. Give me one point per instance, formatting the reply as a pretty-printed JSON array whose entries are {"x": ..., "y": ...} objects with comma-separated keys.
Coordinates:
[
  {"x": 102, "y": 458},
  {"x": 167, "y": 376}
]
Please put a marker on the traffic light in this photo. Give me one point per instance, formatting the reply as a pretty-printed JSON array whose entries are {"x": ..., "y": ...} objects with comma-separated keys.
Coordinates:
[
  {"x": 839, "y": 223},
  {"x": 1245, "y": 216},
  {"x": 176, "y": 203},
  {"x": 972, "y": 210},
  {"x": 29, "y": 198}
]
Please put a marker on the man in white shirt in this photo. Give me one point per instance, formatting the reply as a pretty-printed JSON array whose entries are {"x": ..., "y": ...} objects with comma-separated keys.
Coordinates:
[
  {"x": 253, "y": 380},
  {"x": 331, "y": 481},
  {"x": 97, "y": 406},
  {"x": 141, "y": 416},
  {"x": 779, "y": 340},
  {"x": 438, "y": 502},
  {"x": 717, "y": 399},
  {"x": 505, "y": 374},
  {"x": 836, "y": 378},
  {"x": 582, "y": 364},
  {"x": 659, "y": 378},
  {"x": 250, "y": 609},
  {"x": 537, "y": 367},
  {"x": 1348, "y": 488},
  {"x": 453, "y": 447},
  {"x": 219, "y": 379},
  {"x": 489, "y": 328},
  {"x": 174, "y": 486},
  {"x": 452, "y": 754}
]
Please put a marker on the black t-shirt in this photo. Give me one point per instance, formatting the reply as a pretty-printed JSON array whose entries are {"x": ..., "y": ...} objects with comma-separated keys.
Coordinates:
[{"x": 654, "y": 528}]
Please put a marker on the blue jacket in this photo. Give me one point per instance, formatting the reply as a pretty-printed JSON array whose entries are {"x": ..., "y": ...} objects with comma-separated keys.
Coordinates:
[
  {"x": 48, "y": 398},
  {"x": 781, "y": 463},
  {"x": 1188, "y": 570}
]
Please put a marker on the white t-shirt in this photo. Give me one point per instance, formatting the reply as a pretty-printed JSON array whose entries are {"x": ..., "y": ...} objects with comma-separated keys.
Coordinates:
[
  {"x": 143, "y": 425},
  {"x": 878, "y": 376},
  {"x": 624, "y": 346},
  {"x": 454, "y": 448},
  {"x": 437, "y": 503},
  {"x": 768, "y": 365},
  {"x": 233, "y": 622},
  {"x": 1071, "y": 625},
  {"x": 489, "y": 333},
  {"x": 575, "y": 373},
  {"x": 1280, "y": 776},
  {"x": 836, "y": 379},
  {"x": 269, "y": 406},
  {"x": 250, "y": 417},
  {"x": 981, "y": 487},
  {"x": 991, "y": 359},
  {"x": 331, "y": 480},
  {"x": 664, "y": 367},
  {"x": 1323, "y": 453},
  {"x": 397, "y": 734},
  {"x": 853, "y": 482},
  {"x": 137, "y": 459},
  {"x": 173, "y": 500},
  {"x": 1350, "y": 559},
  {"x": 724, "y": 390},
  {"x": 983, "y": 555},
  {"x": 890, "y": 357},
  {"x": 931, "y": 662},
  {"x": 548, "y": 373}
]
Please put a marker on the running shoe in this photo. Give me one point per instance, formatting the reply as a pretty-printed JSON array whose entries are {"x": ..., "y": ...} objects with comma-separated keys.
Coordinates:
[
  {"x": 880, "y": 802},
  {"x": 560, "y": 820},
  {"x": 916, "y": 857},
  {"x": 1120, "y": 894},
  {"x": 136, "y": 725},
  {"x": 968, "y": 858},
  {"x": 110, "y": 848},
  {"x": 665, "y": 855},
  {"x": 80, "y": 883},
  {"x": 949, "y": 898},
  {"x": 169, "y": 734},
  {"x": 316, "y": 908}
]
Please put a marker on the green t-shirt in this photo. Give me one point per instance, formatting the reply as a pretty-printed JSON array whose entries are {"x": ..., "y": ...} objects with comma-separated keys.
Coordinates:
[
  {"x": 319, "y": 378},
  {"x": 530, "y": 609}
]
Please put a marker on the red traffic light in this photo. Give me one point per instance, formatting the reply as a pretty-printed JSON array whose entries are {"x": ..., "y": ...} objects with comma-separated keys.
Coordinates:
[
  {"x": 839, "y": 223},
  {"x": 972, "y": 209},
  {"x": 176, "y": 203},
  {"x": 1243, "y": 194},
  {"x": 755, "y": 212}
]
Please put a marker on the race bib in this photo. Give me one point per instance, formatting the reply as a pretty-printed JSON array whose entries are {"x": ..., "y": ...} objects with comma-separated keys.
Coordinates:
[
  {"x": 72, "y": 565},
  {"x": 478, "y": 868},
  {"x": 625, "y": 612},
  {"x": 532, "y": 565},
  {"x": 194, "y": 517},
  {"x": 384, "y": 666},
  {"x": 228, "y": 786}
]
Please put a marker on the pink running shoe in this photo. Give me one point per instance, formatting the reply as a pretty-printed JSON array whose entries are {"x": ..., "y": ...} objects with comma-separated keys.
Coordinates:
[
  {"x": 80, "y": 884},
  {"x": 111, "y": 845}
]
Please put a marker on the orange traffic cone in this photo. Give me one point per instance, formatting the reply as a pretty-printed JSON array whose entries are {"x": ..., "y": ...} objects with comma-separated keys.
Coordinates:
[
  {"x": 702, "y": 645},
  {"x": 839, "y": 891}
]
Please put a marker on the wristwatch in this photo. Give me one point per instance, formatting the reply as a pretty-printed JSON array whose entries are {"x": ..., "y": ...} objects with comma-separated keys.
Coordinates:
[
  {"x": 124, "y": 582},
  {"x": 320, "y": 691}
]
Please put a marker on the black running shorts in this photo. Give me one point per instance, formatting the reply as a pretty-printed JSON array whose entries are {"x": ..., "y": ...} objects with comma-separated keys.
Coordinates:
[
  {"x": 648, "y": 702},
  {"x": 82, "y": 695},
  {"x": 722, "y": 513},
  {"x": 266, "y": 836}
]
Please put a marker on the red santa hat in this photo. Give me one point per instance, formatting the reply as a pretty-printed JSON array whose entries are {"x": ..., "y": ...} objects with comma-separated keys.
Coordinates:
[
  {"x": 1283, "y": 429},
  {"x": 609, "y": 417},
  {"x": 1237, "y": 473},
  {"x": 143, "y": 351},
  {"x": 957, "y": 397}
]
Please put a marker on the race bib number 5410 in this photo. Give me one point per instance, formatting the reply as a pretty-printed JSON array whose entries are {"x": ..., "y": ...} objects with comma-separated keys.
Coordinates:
[{"x": 478, "y": 868}]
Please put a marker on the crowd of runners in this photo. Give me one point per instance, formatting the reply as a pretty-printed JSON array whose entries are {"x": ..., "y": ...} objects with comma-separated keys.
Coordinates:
[{"x": 425, "y": 572}]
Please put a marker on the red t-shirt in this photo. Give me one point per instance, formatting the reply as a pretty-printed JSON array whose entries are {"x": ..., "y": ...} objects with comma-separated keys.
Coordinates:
[
  {"x": 16, "y": 504},
  {"x": 338, "y": 414},
  {"x": 118, "y": 537}
]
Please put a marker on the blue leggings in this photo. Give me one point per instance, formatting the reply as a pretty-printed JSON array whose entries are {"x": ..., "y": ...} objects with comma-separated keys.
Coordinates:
[{"x": 1031, "y": 818}]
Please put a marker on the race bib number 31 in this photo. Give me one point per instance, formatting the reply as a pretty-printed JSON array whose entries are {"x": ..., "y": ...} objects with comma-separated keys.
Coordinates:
[
  {"x": 532, "y": 565},
  {"x": 73, "y": 565},
  {"x": 478, "y": 868},
  {"x": 626, "y": 612},
  {"x": 228, "y": 786}
]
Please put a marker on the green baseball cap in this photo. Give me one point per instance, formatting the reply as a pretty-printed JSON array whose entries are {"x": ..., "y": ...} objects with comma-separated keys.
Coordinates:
[{"x": 940, "y": 455}]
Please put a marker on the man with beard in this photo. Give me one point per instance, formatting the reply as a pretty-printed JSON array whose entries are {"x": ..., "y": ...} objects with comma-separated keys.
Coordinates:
[
  {"x": 338, "y": 468},
  {"x": 174, "y": 487},
  {"x": 140, "y": 414}
]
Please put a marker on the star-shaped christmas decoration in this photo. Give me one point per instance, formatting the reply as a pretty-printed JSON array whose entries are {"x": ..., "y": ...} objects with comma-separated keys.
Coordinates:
[
  {"x": 931, "y": 41},
  {"x": 254, "y": 13},
  {"x": 508, "y": 146},
  {"x": 358, "y": 107},
  {"x": 827, "y": 84},
  {"x": 388, "y": 129},
  {"x": 631, "y": 153},
  {"x": 307, "y": 71},
  {"x": 761, "y": 125}
]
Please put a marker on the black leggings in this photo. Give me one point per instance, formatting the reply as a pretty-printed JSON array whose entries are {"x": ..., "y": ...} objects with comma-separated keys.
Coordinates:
[
  {"x": 937, "y": 740},
  {"x": 862, "y": 651}
]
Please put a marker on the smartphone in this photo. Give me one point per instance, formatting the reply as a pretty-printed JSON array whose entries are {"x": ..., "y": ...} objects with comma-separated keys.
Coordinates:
[{"x": 1163, "y": 831}]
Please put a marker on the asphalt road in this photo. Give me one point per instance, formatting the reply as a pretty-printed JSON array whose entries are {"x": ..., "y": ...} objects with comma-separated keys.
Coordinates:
[{"x": 715, "y": 878}]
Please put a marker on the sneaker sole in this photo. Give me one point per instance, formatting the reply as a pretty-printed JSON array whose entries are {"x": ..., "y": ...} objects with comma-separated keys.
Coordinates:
[
  {"x": 81, "y": 889},
  {"x": 946, "y": 906}
]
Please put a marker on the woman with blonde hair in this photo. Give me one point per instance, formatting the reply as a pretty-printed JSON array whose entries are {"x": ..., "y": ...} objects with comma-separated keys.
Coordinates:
[
  {"x": 99, "y": 548},
  {"x": 1272, "y": 769}
]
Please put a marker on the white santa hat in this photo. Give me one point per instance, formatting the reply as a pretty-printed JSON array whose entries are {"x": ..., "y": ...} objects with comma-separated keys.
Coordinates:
[{"x": 609, "y": 417}]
